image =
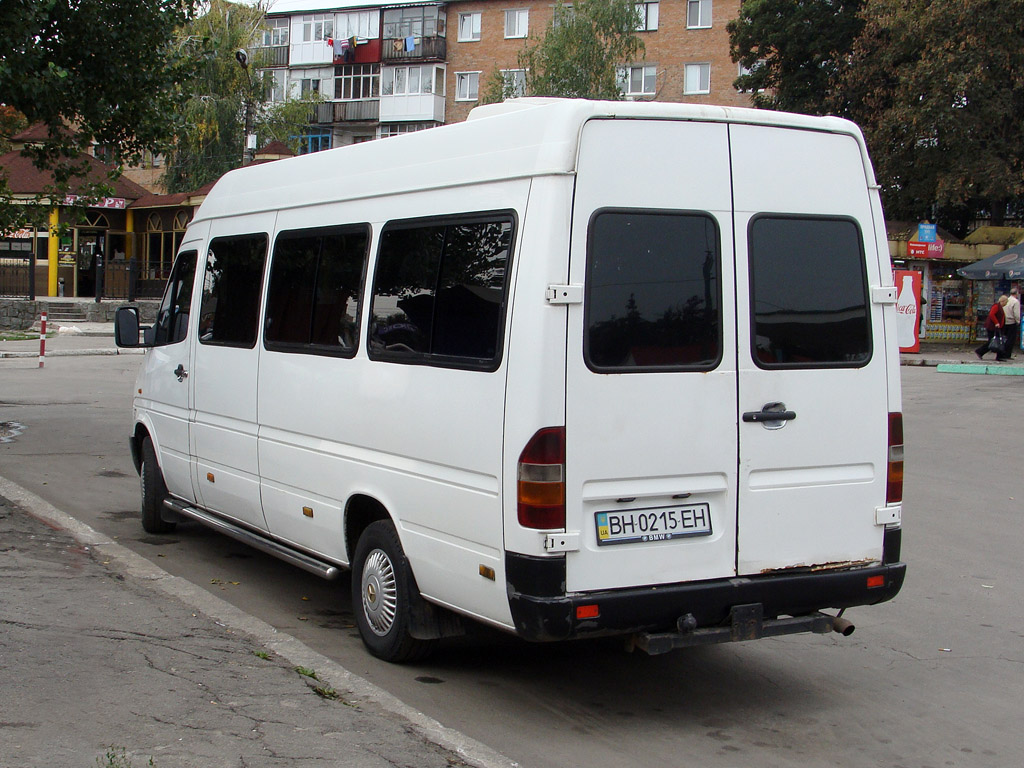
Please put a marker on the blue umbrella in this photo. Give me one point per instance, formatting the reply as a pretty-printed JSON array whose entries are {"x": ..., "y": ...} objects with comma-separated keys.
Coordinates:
[{"x": 1006, "y": 265}]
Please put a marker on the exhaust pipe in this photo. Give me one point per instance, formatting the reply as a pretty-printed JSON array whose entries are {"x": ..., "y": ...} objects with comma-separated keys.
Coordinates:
[{"x": 843, "y": 626}]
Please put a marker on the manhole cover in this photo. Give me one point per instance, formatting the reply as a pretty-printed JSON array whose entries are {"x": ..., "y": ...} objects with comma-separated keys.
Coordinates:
[{"x": 10, "y": 430}]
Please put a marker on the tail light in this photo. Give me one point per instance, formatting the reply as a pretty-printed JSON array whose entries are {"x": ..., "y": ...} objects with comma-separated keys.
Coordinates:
[
  {"x": 541, "y": 487},
  {"x": 894, "y": 484}
]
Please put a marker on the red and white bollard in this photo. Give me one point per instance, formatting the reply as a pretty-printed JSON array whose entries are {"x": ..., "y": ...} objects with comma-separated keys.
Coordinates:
[{"x": 42, "y": 339}]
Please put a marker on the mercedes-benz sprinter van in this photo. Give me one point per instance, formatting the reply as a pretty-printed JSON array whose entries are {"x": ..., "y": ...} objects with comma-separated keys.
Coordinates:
[{"x": 569, "y": 369}]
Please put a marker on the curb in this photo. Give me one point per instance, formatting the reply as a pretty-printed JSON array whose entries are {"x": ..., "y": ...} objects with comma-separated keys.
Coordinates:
[
  {"x": 999, "y": 370},
  {"x": 291, "y": 649}
]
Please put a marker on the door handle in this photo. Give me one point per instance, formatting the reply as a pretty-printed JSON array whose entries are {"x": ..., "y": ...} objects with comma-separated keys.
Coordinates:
[
  {"x": 180, "y": 372},
  {"x": 770, "y": 412}
]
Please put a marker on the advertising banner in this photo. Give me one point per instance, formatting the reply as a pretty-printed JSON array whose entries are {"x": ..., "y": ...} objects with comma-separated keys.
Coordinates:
[{"x": 908, "y": 307}]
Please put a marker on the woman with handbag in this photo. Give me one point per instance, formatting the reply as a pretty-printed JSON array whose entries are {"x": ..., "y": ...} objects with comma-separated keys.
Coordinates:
[{"x": 994, "y": 325}]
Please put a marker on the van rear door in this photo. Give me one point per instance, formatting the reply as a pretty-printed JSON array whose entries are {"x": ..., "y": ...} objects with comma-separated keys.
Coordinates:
[
  {"x": 651, "y": 380},
  {"x": 811, "y": 349},
  {"x": 726, "y": 394}
]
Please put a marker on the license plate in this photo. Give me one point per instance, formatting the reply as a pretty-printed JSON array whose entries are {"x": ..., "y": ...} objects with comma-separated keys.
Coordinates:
[{"x": 637, "y": 525}]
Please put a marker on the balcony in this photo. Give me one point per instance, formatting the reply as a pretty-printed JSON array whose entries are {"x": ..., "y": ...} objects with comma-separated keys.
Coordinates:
[
  {"x": 393, "y": 49},
  {"x": 423, "y": 107},
  {"x": 364, "y": 111},
  {"x": 272, "y": 56}
]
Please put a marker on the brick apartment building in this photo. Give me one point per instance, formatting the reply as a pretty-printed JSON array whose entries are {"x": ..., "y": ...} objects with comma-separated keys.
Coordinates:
[{"x": 385, "y": 68}]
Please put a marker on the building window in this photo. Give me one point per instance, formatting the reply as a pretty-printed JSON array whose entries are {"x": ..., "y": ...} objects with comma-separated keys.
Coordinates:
[
  {"x": 697, "y": 79},
  {"x": 639, "y": 80},
  {"x": 467, "y": 86},
  {"x": 698, "y": 14},
  {"x": 515, "y": 82},
  {"x": 469, "y": 27},
  {"x": 648, "y": 13},
  {"x": 357, "y": 24},
  {"x": 314, "y": 287},
  {"x": 744, "y": 71},
  {"x": 314, "y": 140},
  {"x": 318, "y": 27},
  {"x": 386, "y": 130},
  {"x": 517, "y": 23},
  {"x": 275, "y": 33},
  {"x": 307, "y": 82},
  {"x": 412, "y": 80},
  {"x": 439, "y": 291},
  {"x": 357, "y": 81},
  {"x": 276, "y": 80},
  {"x": 420, "y": 21}
]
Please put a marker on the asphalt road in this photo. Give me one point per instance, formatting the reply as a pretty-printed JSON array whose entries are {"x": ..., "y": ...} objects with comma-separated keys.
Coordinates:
[{"x": 933, "y": 678}]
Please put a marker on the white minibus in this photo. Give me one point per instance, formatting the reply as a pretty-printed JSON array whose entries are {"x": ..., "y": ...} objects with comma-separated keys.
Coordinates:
[{"x": 568, "y": 368}]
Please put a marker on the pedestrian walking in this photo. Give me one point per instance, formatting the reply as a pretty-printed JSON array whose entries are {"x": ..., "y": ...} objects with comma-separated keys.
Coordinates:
[
  {"x": 1012, "y": 327},
  {"x": 994, "y": 326}
]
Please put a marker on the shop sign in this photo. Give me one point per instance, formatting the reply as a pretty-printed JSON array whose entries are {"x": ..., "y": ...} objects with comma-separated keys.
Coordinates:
[
  {"x": 926, "y": 233},
  {"x": 107, "y": 202},
  {"x": 917, "y": 249},
  {"x": 908, "y": 305}
]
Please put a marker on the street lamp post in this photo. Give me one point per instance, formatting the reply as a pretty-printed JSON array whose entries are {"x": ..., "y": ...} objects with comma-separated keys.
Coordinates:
[{"x": 242, "y": 57}]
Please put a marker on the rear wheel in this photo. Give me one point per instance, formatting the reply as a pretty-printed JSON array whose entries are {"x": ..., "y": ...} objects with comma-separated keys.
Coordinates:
[
  {"x": 383, "y": 590},
  {"x": 153, "y": 491}
]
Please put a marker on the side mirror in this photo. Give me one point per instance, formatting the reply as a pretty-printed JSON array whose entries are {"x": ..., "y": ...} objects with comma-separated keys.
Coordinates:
[{"x": 126, "y": 327}]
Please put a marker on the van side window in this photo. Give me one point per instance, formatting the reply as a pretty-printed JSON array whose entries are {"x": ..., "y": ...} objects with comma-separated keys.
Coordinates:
[
  {"x": 653, "y": 295},
  {"x": 439, "y": 291},
  {"x": 316, "y": 278},
  {"x": 229, "y": 311},
  {"x": 809, "y": 293},
  {"x": 172, "y": 319}
]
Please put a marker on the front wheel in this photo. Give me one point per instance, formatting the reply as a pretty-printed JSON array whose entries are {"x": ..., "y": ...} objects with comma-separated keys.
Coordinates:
[
  {"x": 153, "y": 491},
  {"x": 383, "y": 589}
]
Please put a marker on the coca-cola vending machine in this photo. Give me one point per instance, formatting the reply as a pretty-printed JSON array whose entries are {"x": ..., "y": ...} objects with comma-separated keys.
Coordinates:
[{"x": 908, "y": 307}]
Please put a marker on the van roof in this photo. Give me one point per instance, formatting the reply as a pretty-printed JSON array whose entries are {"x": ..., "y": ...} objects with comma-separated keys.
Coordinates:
[{"x": 519, "y": 138}]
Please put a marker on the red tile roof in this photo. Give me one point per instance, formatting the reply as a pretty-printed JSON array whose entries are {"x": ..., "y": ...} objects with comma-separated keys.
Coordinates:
[{"x": 23, "y": 178}]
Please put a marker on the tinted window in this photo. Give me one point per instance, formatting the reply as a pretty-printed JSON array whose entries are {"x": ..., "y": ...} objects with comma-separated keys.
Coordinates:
[
  {"x": 313, "y": 296},
  {"x": 439, "y": 291},
  {"x": 653, "y": 294},
  {"x": 172, "y": 319},
  {"x": 809, "y": 292},
  {"x": 229, "y": 312}
]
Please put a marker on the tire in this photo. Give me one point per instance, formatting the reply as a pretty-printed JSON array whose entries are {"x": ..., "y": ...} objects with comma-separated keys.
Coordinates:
[
  {"x": 153, "y": 491},
  {"x": 383, "y": 591}
]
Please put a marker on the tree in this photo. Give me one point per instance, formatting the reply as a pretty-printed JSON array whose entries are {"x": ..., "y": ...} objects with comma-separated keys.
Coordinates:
[
  {"x": 938, "y": 87},
  {"x": 793, "y": 50},
  {"x": 580, "y": 54},
  {"x": 93, "y": 71},
  {"x": 226, "y": 97}
]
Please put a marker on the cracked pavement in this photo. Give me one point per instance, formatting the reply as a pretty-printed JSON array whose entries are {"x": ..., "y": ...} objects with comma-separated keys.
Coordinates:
[{"x": 92, "y": 662}]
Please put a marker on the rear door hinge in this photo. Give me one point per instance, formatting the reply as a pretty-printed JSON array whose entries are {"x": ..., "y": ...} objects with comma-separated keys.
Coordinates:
[
  {"x": 564, "y": 294},
  {"x": 883, "y": 294},
  {"x": 562, "y": 542}
]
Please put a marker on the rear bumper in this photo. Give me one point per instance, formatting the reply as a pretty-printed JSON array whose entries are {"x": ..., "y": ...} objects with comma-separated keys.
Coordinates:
[{"x": 542, "y": 611}]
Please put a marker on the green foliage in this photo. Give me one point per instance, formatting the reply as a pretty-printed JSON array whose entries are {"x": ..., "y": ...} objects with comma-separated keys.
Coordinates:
[
  {"x": 938, "y": 87},
  {"x": 579, "y": 54},
  {"x": 794, "y": 50},
  {"x": 222, "y": 97},
  {"x": 67, "y": 63}
]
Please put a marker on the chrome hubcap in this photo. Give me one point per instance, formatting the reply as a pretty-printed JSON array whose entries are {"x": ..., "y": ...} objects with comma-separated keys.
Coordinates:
[{"x": 380, "y": 592}]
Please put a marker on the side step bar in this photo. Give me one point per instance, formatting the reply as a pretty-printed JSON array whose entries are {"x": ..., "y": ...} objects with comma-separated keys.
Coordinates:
[{"x": 306, "y": 562}]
